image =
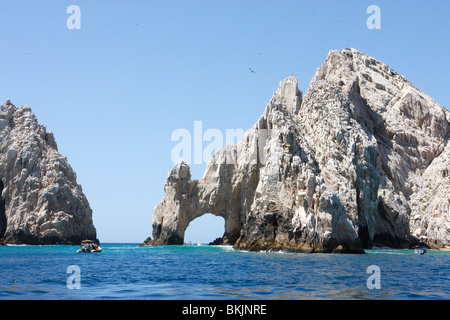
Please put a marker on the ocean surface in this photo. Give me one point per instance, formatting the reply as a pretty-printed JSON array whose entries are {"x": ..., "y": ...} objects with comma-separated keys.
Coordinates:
[{"x": 127, "y": 271}]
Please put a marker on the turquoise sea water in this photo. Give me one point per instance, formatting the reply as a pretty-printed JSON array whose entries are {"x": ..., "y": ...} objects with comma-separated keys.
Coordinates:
[{"x": 127, "y": 271}]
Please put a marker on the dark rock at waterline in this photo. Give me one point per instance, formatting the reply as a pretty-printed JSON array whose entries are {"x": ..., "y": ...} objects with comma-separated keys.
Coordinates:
[
  {"x": 147, "y": 242},
  {"x": 217, "y": 242}
]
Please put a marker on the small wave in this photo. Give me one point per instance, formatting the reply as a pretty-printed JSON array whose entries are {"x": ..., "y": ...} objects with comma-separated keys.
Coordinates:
[
  {"x": 18, "y": 245},
  {"x": 398, "y": 253},
  {"x": 38, "y": 245},
  {"x": 389, "y": 251},
  {"x": 120, "y": 248},
  {"x": 226, "y": 247}
]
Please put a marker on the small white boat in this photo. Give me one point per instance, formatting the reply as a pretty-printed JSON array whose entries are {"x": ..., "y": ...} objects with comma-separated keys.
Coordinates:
[
  {"x": 420, "y": 250},
  {"x": 88, "y": 246}
]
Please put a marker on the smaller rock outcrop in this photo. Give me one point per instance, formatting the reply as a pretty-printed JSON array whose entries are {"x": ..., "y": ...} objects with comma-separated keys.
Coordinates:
[
  {"x": 147, "y": 242},
  {"x": 41, "y": 202},
  {"x": 217, "y": 242}
]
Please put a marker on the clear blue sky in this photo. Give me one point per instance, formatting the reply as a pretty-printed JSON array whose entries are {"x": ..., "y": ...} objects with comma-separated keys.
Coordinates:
[{"x": 115, "y": 90}]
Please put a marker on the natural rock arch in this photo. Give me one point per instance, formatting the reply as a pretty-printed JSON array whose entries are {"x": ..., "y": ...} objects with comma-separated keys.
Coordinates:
[
  {"x": 207, "y": 228},
  {"x": 187, "y": 200}
]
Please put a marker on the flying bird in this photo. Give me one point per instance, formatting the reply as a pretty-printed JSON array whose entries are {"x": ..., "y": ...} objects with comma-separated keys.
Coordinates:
[{"x": 251, "y": 70}]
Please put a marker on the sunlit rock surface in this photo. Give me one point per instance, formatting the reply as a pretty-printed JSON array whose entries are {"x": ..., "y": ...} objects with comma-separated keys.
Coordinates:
[
  {"x": 41, "y": 202},
  {"x": 361, "y": 159}
]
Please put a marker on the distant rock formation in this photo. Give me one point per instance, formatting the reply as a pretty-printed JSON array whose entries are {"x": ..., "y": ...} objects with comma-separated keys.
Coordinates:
[
  {"x": 41, "y": 202},
  {"x": 361, "y": 160},
  {"x": 216, "y": 242}
]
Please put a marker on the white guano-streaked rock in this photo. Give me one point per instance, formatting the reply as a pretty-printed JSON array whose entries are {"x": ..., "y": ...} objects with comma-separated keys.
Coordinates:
[
  {"x": 361, "y": 159},
  {"x": 41, "y": 202}
]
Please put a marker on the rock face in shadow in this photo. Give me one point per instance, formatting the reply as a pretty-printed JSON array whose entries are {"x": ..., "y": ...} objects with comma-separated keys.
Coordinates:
[
  {"x": 216, "y": 242},
  {"x": 41, "y": 202},
  {"x": 361, "y": 160}
]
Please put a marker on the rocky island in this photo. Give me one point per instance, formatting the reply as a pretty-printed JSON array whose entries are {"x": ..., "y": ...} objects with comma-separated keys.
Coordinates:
[
  {"x": 41, "y": 202},
  {"x": 361, "y": 159}
]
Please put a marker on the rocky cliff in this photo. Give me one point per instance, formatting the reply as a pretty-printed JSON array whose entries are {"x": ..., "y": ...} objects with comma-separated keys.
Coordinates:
[
  {"x": 361, "y": 159},
  {"x": 41, "y": 202}
]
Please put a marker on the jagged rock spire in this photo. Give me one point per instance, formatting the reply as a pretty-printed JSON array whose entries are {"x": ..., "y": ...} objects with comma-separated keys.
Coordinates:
[{"x": 41, "y": 202}]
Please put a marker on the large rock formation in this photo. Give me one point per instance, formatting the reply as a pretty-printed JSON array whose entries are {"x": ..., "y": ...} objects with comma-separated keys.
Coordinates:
[
  {"x": 41, "y": 202},
  {"x": 361, "y": 160}
]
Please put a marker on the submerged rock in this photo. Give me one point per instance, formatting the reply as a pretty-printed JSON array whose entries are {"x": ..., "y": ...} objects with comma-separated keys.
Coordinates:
[
  {"x": 41, "y": 202},
  {"x": 361, "y": 160}
]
